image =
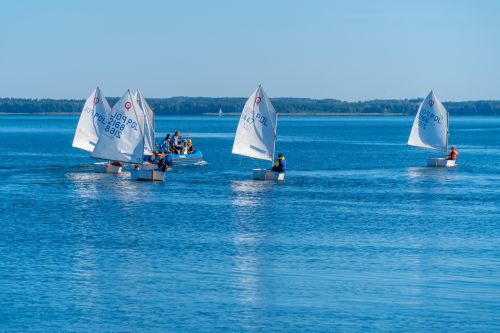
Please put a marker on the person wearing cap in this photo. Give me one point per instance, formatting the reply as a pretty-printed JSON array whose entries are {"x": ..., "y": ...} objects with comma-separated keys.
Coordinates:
[
  {"x": 280, "y": 164},
  {"x": 453, "y": 154}
]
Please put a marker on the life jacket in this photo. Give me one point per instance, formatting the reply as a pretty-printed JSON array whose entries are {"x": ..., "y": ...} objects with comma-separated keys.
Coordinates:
[
  {"x": 280, "y": 164},
  {"x": 453, "y": 154}
]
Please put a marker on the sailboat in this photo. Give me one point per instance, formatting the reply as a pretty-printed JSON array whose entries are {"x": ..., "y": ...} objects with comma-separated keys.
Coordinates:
[
  {"x": 256, "y": 133},
  {"x": 220, "y": 112},
  {"x": 122, "y": 138},
  {"x": 147, "y": 170},
  {"x": 430, "y": 130},
  {"x": 90, "y": 126}
]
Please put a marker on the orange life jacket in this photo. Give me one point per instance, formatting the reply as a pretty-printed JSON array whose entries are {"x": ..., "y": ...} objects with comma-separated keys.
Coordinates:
[{"x": 453, "y": 154}]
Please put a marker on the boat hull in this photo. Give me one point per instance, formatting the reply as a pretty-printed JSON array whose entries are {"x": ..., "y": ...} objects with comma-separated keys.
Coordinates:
[
  {"x": 107, "y": 168},
  {"x": 195, "y": 157},
  {"x": 149, "y": 175},
  {"x": 441, "y": 162},
  {"x": 262, "y": 174}
]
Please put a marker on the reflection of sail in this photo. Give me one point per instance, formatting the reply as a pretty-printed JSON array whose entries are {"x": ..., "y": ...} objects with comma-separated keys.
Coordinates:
[
  {"x": 248, "y": 239},
  {"x": 84, "y": 184},
  {"x": 248, "y": 192}
]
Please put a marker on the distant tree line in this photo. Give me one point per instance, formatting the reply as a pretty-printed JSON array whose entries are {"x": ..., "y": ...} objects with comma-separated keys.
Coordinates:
[{"x": 204, "y": 105}]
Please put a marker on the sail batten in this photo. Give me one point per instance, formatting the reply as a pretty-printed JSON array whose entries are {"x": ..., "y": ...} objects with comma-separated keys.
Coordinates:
[
  {"x": 92, "y": 121},
  {"x": 122, "y": 139},
  {"x": 430, "y": 128},
  {"x": 256, "y": 132}
]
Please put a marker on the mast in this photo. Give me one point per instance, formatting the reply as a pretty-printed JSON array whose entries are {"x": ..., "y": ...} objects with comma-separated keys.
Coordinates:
[{"x": 447, "y": 129}]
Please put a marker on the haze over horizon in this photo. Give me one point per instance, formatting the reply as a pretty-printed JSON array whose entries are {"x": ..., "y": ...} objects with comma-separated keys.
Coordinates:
[{"x": 326, "y": 49}]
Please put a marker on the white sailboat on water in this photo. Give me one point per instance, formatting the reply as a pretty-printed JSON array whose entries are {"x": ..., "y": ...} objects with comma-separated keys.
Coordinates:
[
  {"x": 256, "y": 133},
  {"x": 147, "y": 170},
  {"x": 92, "y": 120},
  {"x": 220, "y": 112},
  {"x": 122, "y": 137},
  {"x": 90, "y": 126},
  {"x": 430, "y": 130}
]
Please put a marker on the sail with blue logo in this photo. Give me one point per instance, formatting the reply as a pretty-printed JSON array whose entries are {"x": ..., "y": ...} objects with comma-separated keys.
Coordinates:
[
  {"x": 430, "y": 128},
  {"x": 122, "y": 138},
  {"x": 92, "y": 121},
  {"x": 256, "y": 132}
]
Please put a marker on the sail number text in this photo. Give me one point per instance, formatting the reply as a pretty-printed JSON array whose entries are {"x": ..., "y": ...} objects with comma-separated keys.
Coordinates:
[
  {"x": 249, "y": 120},
  {"x": 425, "y": 116},
  {"x": 117, "y": 123}
]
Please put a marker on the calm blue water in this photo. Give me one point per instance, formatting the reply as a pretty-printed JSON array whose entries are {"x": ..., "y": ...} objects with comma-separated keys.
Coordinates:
[{"x": 360, "y": 237}]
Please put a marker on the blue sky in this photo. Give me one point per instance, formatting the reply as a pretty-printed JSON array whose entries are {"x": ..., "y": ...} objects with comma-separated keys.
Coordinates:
[{"x": 350, "y": 50}]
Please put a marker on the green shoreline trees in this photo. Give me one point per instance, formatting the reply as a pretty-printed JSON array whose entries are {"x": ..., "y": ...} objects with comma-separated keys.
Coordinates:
[{"x": 203, "y": 105}]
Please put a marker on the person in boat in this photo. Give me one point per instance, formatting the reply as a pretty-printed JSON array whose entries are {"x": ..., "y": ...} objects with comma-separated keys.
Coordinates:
[
  {"x": 453, "y": 154},
  {"x": 189, "y": 146},
  {"x": 280, "y": 164},
  {"x": 166, "y": 144},
  {"x": 165, "y": 162},
  {"x": 177, "y": 146},
  {"x": 156, "y": 157}
]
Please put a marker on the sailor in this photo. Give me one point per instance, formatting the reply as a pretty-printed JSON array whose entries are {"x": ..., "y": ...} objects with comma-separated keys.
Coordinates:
[
  {"x": 280, "y": 164},
  {"x": 189, "y": 146},
  {"x": 166, "y": 144},
  {"x": 453, "y": 154},
  {"x": 176, "y": 143}
]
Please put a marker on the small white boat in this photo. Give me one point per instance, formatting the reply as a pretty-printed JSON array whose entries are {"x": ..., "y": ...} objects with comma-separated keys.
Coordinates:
[
  {"x": 148, "y": 174},
  {"x": 441, "y": 162},
  {"x": 256, "y": 133},
  {"x": 123, "y": 137},
  {"x": 263, "y": 174},
  {"x": 430, "y": 130},
  {"x": 106, "y": 167},
  {"x": 220, "y": 112}
]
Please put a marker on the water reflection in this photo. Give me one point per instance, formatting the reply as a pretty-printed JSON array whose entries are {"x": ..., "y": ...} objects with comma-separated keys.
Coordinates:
[
  {"x": 249, "y": 235},
  {"x": 249, "y": 192},
  {"x": 441, "y": 175}
]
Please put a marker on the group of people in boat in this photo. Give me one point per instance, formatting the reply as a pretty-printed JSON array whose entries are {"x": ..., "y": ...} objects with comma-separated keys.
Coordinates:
[{"x": 176, "y": 144}]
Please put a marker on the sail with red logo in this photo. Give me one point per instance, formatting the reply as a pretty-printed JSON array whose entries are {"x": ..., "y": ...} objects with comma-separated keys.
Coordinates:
[
  {"x": 256, "y": 133},
  {"x": 122, "y": 138},
  {"x": 430, "y": 128},
  {"x": 92, "y": 121}
]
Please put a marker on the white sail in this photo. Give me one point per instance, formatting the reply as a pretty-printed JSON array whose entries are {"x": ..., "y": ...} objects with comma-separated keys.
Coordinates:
[
  {"x": 122, "y": 138},
  {"x": 92, "y": 120},
  {"x": 220, "y": 112},
  {"x": 149, "y": 130},
  {"x": 256, "y": 133},
  {"x": 430, "y": 128}
]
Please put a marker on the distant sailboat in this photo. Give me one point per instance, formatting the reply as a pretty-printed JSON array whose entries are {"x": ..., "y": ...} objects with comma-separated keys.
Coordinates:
[
  {"x": 220, "y": 112},
  {"x": 92, "y": 121},
  {"x": 256, "y": 133},
  {"x": 122, "y": 137},
  {"x": 430, "y": 130}
]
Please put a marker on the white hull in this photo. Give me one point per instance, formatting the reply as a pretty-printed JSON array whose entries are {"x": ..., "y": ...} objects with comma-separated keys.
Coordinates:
[
  {"x": 151, "y": 175},
  {"x": 262, "y": 174},
  {"x": 441, "y": 162},
  {"x": 107, "y": 168}
]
